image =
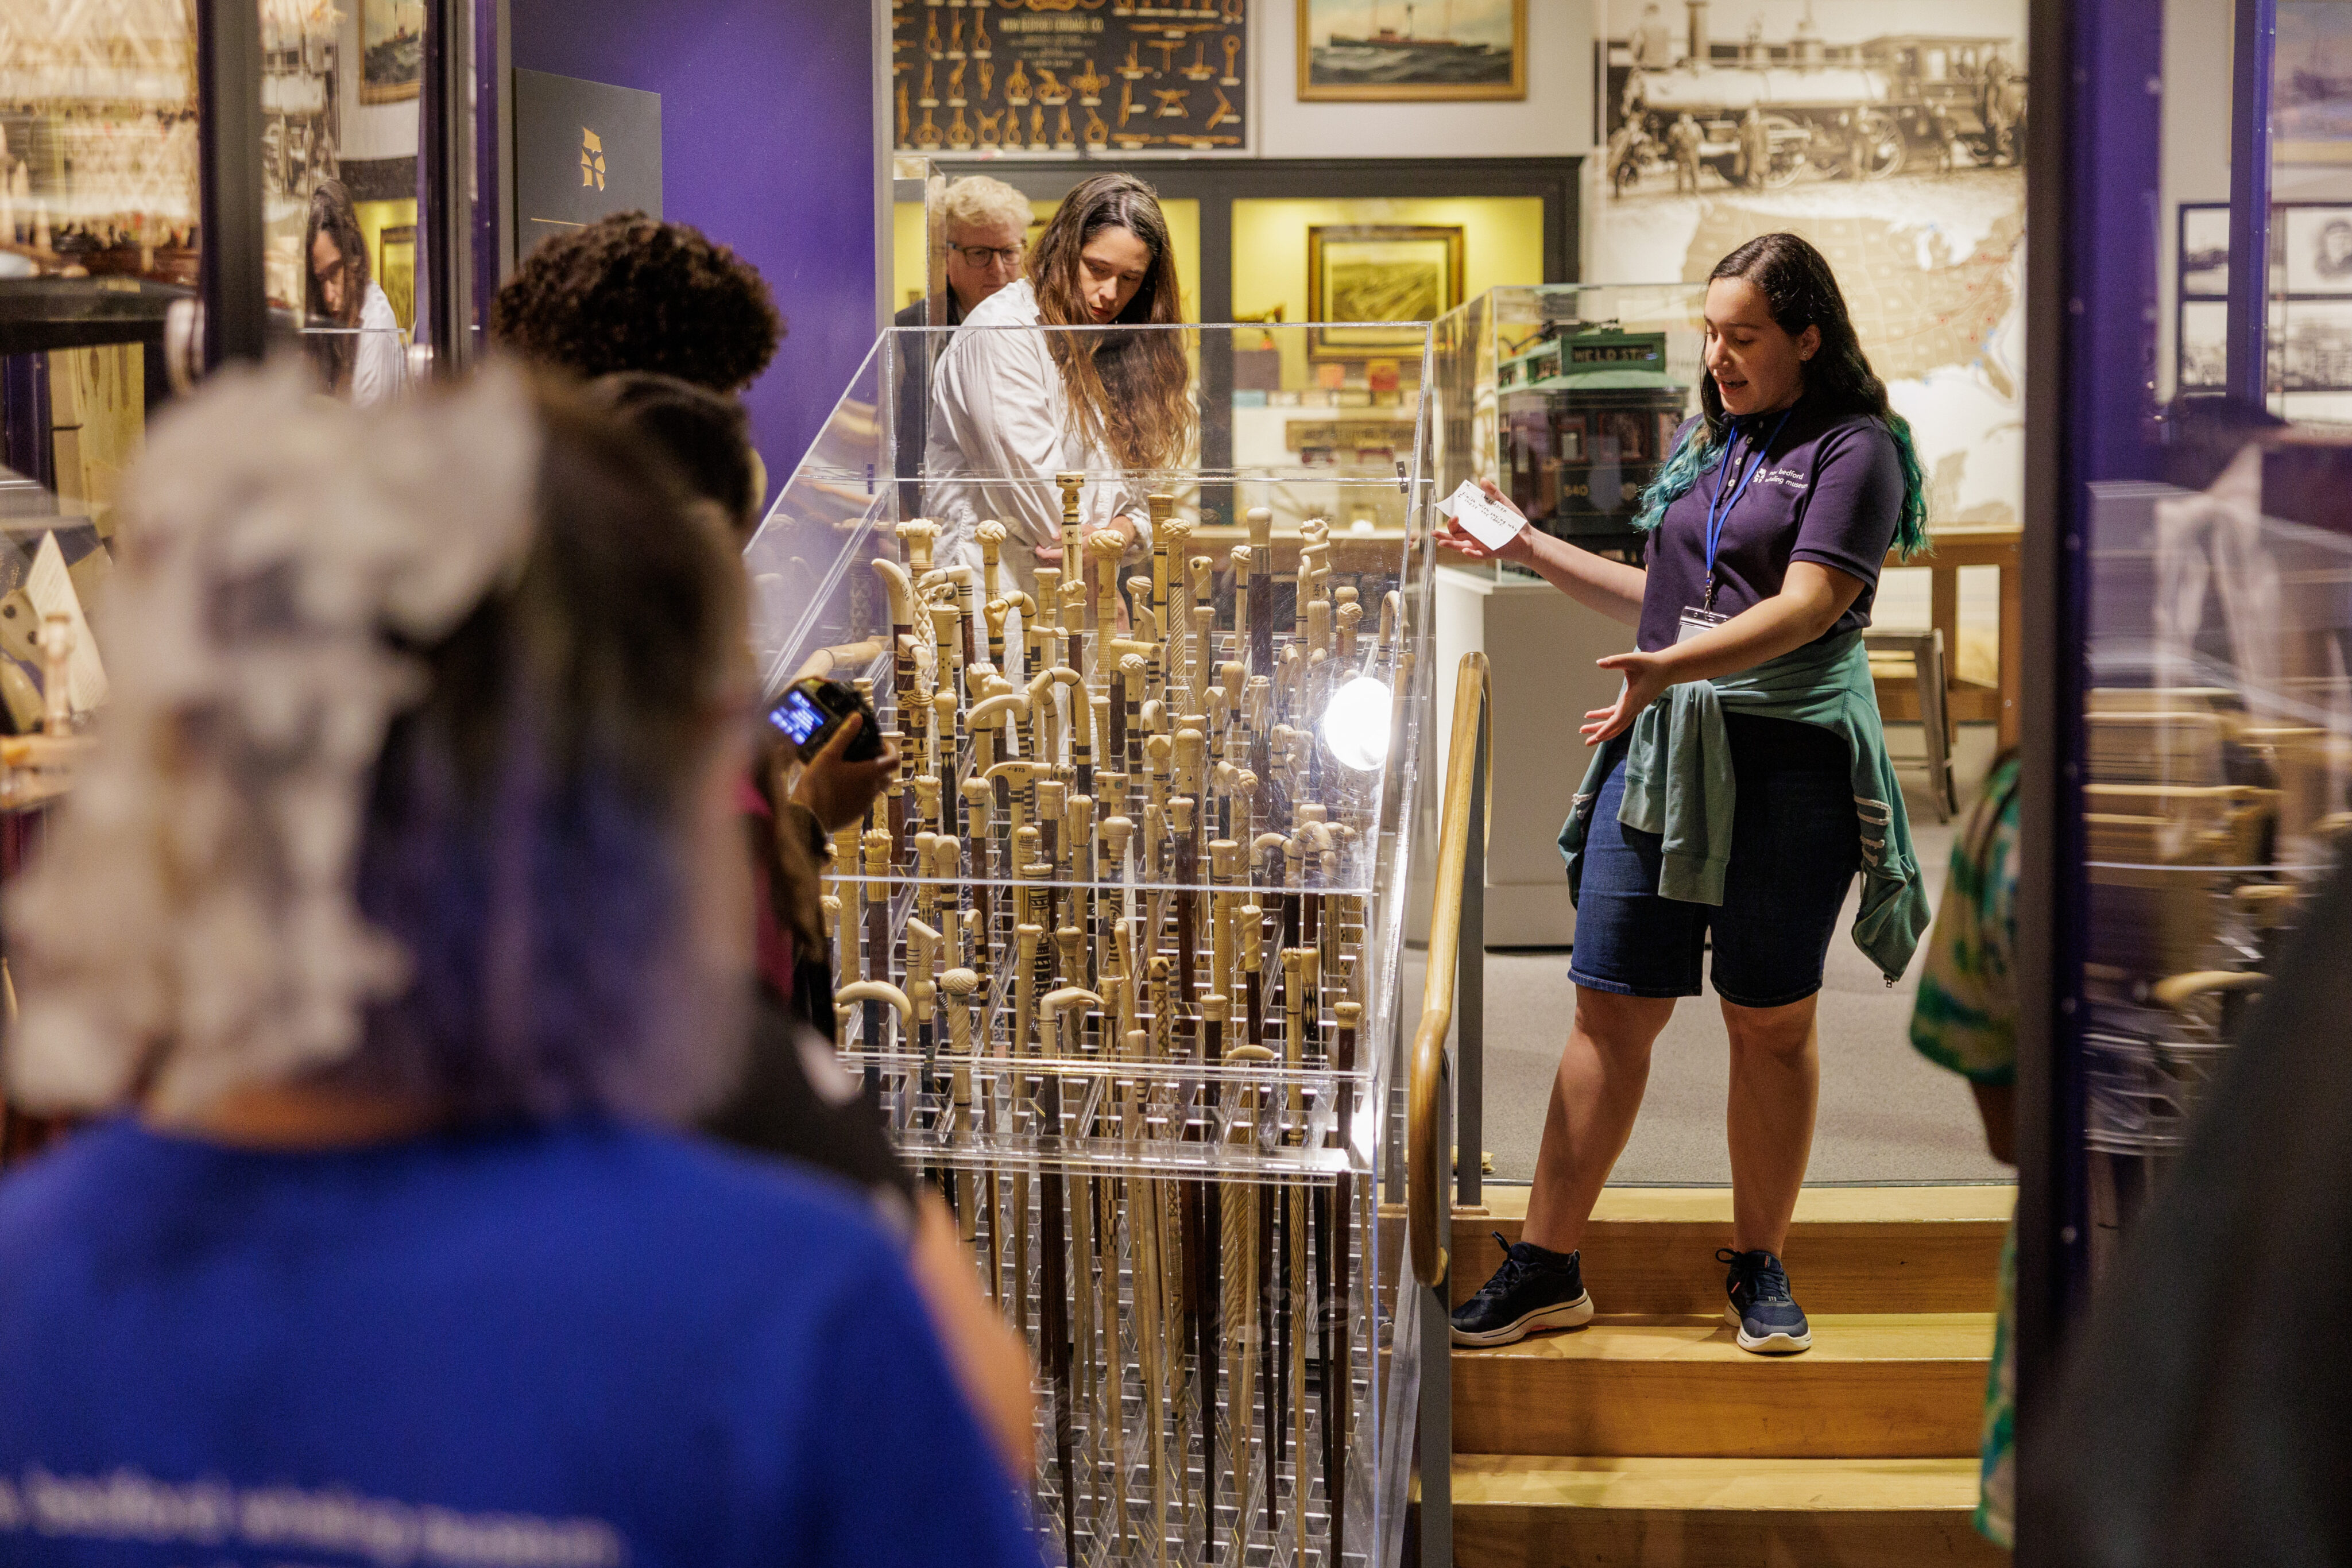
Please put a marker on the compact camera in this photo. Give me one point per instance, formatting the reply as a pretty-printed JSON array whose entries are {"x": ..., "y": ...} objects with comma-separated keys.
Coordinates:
[{"x": 812, "y": 708}]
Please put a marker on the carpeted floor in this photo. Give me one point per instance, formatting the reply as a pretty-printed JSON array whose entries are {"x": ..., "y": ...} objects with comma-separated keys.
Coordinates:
[{"x": 1886, "y": 1115}]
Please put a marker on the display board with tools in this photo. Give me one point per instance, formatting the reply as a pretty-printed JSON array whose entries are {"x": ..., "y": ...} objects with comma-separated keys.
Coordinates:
[
  {"x": 1120, "y": 951},
  {"x": 1047, "y": 77}
]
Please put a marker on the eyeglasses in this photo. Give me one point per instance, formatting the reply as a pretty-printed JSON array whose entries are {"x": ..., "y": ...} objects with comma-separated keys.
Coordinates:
[{"x": 978, "y": 255}]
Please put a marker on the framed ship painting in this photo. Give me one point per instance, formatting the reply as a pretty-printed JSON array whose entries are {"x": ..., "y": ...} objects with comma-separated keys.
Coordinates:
[
  {"x": 1373, "y": 50},
  {"x": 392, "y": 49},
  {"x": 1362, "y": 273}
]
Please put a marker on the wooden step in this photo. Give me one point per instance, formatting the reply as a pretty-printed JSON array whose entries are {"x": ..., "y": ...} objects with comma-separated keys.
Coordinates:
[
  {"x": 1537, "y": 1513},
  {"x": 1650, "y": 1251},
  {"x": 1884, "y": 1386}
]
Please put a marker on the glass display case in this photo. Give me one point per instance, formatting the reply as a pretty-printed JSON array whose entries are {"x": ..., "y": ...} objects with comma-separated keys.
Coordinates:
[
  {"x": 1568, "y": 396},
  {"x": 1121, "y": 951},
  {"x": 2187, "y": 774},
  {"x": 2216, "y": 785}
]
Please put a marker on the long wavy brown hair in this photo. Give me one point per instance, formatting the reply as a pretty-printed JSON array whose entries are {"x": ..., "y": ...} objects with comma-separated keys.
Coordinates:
[
  {"x": 1130, "y": 391},
  {"x": 332, "y": 215}
]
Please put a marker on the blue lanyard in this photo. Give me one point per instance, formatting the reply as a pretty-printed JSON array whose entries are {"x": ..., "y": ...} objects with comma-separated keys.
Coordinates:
[{"x": 1726, "y": 496}]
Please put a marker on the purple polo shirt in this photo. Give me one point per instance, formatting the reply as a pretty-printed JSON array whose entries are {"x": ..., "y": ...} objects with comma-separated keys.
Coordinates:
[{"x": 1830, "y": 490}]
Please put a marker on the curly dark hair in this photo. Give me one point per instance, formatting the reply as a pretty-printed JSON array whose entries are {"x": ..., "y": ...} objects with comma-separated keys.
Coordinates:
[{"x": 631, "y": 293}]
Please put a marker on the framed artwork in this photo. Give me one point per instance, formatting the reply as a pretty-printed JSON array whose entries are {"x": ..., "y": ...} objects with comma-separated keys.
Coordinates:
[
  {"x": 1016, "y": 81},
  {"x": 2202, "y": 350},
  {"x": 395, "y": 272},
  {"x": 1358, "y": 51},
  {"x": 1360, "y": 274},
  {"x": 392, "y": 49},
  {"x": 2315, "y": 249},
  {"x": 2311, "y": 83},
  {"x": 2315, "y": 346},
  {"x": 2204, "y": 250}
]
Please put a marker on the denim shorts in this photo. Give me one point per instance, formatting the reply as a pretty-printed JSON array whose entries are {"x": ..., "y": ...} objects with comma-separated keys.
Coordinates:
[{"x": 1796, "y": 844}]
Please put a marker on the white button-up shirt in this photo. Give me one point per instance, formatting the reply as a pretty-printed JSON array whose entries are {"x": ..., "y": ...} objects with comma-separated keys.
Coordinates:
[{"x": 1000, "y": 430}]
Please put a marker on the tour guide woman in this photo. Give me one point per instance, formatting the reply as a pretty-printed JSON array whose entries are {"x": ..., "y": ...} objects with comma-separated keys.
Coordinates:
[
  {"x": 1741, "y": 777},
  {"x": 1010, "y": 409}
]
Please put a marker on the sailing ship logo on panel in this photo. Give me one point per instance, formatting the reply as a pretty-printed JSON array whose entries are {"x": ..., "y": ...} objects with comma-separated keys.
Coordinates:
[{"x": 592, "y": 159}]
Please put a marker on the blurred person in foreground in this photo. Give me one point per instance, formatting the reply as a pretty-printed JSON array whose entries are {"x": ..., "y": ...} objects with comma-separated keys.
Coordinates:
[
  {"x": 793, "y": 1098},
  {"x": 400, "y": 917},
  {"x": 1965, "y": 1019},
  {"x": 671, "y": 326}
]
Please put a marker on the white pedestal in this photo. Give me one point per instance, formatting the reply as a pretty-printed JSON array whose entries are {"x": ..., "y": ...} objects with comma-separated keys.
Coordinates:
[{"x": 1540, "y": 646}]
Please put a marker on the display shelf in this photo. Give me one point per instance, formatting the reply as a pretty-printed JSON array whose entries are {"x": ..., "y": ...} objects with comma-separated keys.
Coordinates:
[
  {"x": 1120, "y": 950},
  {"x": 38, "y": 315}
]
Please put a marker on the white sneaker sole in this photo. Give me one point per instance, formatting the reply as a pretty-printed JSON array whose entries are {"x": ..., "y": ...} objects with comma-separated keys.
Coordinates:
[
  {"x": 1770, "y": 1343},
  {"x": 1573, "y": 1314}
]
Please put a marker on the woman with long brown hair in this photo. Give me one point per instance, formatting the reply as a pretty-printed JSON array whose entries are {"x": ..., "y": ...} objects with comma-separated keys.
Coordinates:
[
  {"x": 347, "y": 320},
  {"x": 1029, "y": 388}
]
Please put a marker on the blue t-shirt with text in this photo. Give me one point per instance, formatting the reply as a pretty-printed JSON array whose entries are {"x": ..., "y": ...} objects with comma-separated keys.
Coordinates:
[{"x": 582, "y": 1346}]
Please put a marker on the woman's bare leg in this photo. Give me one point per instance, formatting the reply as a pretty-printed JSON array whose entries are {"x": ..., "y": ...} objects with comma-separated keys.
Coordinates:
[
  {"x": 1594, "y": 1097},
  {"x": 1775, "y": 1085}
]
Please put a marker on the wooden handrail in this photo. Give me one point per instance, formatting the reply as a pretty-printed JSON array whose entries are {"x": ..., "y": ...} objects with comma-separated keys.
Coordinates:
[{"x": 1425, "y": 1156}]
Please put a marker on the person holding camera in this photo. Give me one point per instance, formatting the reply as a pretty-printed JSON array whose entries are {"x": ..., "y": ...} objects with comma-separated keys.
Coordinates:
[{"x": 793, "y": 1100}]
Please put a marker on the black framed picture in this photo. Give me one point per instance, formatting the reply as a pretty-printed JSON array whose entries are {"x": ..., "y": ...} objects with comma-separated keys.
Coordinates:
[
  {"x": 2201, "y": 348},
  {"x": 2204, "y": 250},
  {"x": 2315, "y": 345},
  {"x": 2314, "y": 249}
]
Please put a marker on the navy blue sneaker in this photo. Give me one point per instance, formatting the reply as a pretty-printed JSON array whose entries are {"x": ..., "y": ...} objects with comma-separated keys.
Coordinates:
[
  {"x": 1769, "y": 1320},
  {"x": 1534, "y": 1289}
]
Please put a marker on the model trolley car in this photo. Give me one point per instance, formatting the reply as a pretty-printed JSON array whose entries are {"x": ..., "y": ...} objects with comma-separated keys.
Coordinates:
[{"x": 1587, "y": 415}]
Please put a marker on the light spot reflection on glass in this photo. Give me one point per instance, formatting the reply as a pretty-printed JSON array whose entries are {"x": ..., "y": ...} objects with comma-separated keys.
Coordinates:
[{"x": 1356, "y": 724}]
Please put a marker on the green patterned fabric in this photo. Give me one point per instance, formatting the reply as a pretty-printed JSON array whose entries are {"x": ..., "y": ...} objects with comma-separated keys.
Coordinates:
[
  {"x": 1966, "y": 1015},
  {"x": 1679, "y": 784},
  {"x": 1997, "y": 1488},
  {"x": 1965, "y": 1018}
]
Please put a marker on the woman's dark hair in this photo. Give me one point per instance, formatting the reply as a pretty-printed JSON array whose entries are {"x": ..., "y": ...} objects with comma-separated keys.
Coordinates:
[
  {"x": 1800, "y": 291},
  {"x": 705, "y": 436},
  {"x": 1130, "y": 393},
  {"x": 630, "y": 293},
  {"x": 526, "y": 842},
  {"x": 332, "y": 215}
]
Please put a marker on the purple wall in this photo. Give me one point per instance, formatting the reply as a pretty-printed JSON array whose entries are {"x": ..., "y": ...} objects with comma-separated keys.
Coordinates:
[{"x": 767, "y": 146}]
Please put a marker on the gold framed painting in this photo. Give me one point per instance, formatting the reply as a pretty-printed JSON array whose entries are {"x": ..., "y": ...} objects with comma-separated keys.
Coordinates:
[
  {"x": 1365, "y": 51},
  {"x": 392, "y": 49},
  {"x": 1359, "y": 274}
]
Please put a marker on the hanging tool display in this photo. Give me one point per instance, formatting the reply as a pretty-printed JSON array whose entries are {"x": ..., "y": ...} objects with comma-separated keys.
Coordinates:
[
  {"x": 1110, "y": 952},
  {"x": 1049, "y": 50}
]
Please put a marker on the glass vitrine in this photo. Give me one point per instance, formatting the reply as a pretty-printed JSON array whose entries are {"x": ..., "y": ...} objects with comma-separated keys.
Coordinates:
[
  {"x": 1568, "y": 397},
  {"x": 1121, "y": 950}
]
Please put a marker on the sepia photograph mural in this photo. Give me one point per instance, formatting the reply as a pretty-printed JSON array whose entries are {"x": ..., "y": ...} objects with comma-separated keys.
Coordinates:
[{"x": 1888, "y": 132}]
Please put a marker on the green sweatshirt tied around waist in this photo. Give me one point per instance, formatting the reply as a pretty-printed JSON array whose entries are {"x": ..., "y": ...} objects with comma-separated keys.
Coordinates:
[{"x": 1679, "y": 785}]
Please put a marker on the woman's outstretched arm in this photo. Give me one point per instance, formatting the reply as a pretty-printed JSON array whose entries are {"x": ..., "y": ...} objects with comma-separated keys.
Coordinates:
[
  {"x": 1609, "y": 586},
  {"x": 1812, "y": 599}
]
